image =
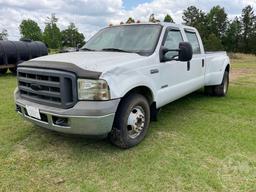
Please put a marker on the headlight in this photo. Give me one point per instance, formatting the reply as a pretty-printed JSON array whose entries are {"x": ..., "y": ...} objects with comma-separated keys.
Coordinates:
[{"x": 93, "y": 89}]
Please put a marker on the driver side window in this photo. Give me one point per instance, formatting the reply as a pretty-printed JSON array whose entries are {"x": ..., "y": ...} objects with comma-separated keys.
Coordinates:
[{"x": 172, "y": 41}]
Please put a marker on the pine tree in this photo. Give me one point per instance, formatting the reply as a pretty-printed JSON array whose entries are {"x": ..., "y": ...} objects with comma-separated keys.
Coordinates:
[
  {"x": 248, "y": 21},
  {"x": 168, "y": 18},
  {"x": 71, "y": 37},
  {"x": 233, "y": 36},
  {"x": 130, "y": 20}
]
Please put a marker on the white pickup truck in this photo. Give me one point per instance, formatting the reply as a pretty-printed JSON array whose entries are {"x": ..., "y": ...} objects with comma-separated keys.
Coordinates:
[{"x": 118, "y": 81}]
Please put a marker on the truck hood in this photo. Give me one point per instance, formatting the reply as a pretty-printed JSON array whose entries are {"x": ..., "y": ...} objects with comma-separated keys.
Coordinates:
[{"x": 92, "y": 61}]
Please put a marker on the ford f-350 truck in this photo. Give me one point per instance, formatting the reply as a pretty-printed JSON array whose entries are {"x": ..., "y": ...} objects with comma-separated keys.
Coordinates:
[{"x": 118, "y": 81}]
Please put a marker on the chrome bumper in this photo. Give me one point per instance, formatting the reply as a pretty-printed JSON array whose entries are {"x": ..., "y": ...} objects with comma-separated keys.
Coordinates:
[{"x": 85, "y": 118}]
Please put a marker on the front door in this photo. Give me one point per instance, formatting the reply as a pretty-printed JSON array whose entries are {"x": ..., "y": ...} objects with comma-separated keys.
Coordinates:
[{"x": 173, "y": 73}]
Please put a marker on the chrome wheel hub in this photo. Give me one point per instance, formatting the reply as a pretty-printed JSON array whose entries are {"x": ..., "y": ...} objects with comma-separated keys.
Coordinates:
[{"x": 136, "y": 122}]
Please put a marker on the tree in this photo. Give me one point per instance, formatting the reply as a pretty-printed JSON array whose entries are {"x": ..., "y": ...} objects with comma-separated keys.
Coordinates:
[
  {"x": 3, "y": 34},
  {"x": 211, "y": 26},
  {"x": 71, "y": 37},
  {"x": 52, "y": 34},
  {"x": 196, "y": 18},
  {"x": 233, "y": 36},
  {"x": 193, "y": 16},
  {"x": 168, "y": 18},
  {"x": 213, "y": 43},
  {"x": 217, "y": 21},
  {"x": 152, "y": 18},
  {"x": 238, "y": 35},
  {"x": 248, "y": 21},
  {"x": 130, "y": 20},
  {"x": 29, "y": 29}
]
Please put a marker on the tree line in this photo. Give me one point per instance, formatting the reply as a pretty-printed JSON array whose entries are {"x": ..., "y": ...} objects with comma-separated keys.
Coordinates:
[
  {"x": 217, "y": 31},
  {"x": 52, "y": 36}
]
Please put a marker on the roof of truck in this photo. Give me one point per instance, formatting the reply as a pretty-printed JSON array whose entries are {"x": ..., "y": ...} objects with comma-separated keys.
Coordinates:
[
  {"x": 167, "y": 24},
  {"x": 164, "y": 24}
]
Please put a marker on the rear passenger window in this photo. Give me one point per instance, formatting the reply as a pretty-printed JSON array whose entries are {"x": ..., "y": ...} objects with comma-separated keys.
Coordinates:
[
  {"x": 172, "y": 41},
  {"x": 193, "y": 40}
]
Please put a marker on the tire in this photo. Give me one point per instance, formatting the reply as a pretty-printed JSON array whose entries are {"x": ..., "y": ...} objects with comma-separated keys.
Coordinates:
[
  {"x": 219, "y": 90},
  {"x": 3, "y": 71},
  {"x": 131, "y": 122},
  {"x": 208, "y": 90}
]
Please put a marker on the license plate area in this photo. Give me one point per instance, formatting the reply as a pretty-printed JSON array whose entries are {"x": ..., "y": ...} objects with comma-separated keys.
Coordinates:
[{"x": 33, "y": 112}]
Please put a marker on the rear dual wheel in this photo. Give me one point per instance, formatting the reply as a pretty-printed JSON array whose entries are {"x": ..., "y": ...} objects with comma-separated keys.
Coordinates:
[
  {"x": 131, "y": 122},
  {"x": 219, "y": 90}
]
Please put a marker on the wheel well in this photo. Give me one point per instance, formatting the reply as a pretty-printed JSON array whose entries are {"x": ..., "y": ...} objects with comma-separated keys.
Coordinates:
[
  {"x": 146, "y": 92},
  {"x": 227, "y": 68},
  {"x": 143, "y": 90}
]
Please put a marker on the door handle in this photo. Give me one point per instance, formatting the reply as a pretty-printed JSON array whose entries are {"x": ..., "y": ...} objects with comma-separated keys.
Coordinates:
[
  {"x": 188, "y": 66},
  {"x": 202, "y": 62},
  {"x": 153, "y": 71}
]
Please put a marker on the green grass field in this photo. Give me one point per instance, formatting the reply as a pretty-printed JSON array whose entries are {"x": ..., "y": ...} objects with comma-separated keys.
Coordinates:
[{"x": 200, "y": 143}]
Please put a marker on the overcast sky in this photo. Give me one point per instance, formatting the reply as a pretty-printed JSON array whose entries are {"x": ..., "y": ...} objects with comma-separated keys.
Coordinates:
[{"x": 91, "y": 15}]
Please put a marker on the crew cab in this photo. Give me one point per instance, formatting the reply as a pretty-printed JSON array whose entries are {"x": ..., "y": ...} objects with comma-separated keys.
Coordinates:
[{"x": 116, "y": 84}]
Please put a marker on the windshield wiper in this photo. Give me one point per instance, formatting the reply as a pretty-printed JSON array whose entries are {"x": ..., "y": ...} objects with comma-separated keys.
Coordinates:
[
  {"x": 87, "y": 49},
  {"x": 115, "y": 49}
]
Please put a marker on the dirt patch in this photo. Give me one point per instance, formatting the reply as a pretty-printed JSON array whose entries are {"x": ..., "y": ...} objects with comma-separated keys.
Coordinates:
[{"x": 237, "y": 73}]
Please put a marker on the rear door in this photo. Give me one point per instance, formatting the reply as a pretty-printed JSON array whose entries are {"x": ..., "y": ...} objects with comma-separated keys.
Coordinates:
[{"x": 197, "y": 64}]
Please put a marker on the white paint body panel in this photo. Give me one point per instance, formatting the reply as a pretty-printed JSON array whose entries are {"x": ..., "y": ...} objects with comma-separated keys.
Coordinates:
[{"x": 125, "y": 71}]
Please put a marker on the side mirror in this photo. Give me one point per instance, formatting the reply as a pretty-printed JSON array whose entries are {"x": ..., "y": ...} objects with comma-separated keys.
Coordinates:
[{"x": 184, "y": 53}]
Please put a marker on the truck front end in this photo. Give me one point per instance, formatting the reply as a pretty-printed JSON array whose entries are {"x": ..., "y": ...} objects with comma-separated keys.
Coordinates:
[
  {"x": 104, "y": 89},
  {"x": 64, "y": 98}
]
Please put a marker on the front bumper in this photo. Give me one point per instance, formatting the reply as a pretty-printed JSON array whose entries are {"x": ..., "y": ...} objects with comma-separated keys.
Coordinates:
[{"x": 93, "y": 118}]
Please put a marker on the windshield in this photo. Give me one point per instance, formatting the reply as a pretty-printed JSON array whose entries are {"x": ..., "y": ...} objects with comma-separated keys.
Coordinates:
[{"x": 126, "y": 38}]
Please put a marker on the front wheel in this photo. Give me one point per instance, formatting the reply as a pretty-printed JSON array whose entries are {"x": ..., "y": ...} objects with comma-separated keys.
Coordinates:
[{"x": 131, "y": 122}]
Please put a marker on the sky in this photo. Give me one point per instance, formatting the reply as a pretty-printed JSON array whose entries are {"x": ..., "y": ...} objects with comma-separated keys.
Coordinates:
[{"x": 91, "y": 15}]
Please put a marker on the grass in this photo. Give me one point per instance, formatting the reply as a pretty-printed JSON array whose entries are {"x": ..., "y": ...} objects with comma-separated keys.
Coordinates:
[{"x": 199, "y": 144}]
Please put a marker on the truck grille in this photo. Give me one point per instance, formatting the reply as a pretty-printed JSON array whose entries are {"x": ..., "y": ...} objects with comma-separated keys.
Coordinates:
[{"x": 49, "y": 87}]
